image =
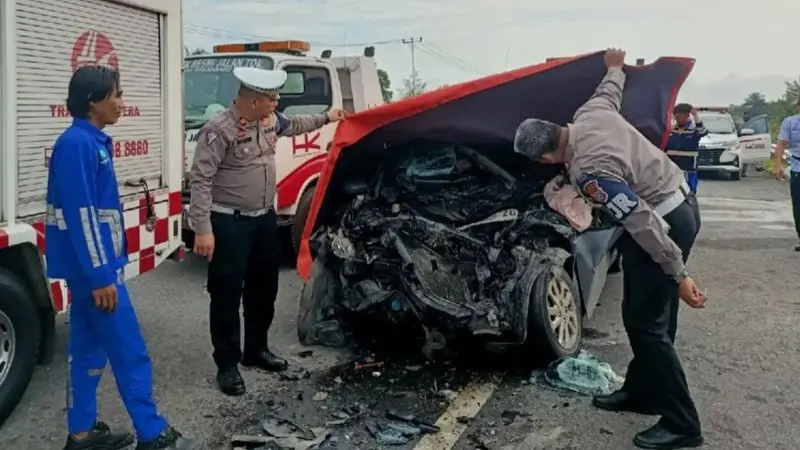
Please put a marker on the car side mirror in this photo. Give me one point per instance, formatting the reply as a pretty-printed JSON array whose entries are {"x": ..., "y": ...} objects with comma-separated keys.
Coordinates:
[{"x": 746, "y": 132}]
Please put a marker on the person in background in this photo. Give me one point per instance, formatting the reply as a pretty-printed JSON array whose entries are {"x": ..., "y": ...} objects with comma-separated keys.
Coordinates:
[
  {"x": 232, "y": 211},
  {"x": 86, "y": 246},
  {"x": 684, "y": 141},
  {"x": 789, "y": 138}
]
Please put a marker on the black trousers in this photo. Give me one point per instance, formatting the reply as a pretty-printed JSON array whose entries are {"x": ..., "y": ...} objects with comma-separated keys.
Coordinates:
[
  {"x": 243, "y": 270},
  {"x": 650, "y": 314},
  {"x": 794, "y": 189}
]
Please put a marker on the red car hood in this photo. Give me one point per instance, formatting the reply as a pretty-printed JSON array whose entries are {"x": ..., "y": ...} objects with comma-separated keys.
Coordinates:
[{"x": 488, "y": 111}]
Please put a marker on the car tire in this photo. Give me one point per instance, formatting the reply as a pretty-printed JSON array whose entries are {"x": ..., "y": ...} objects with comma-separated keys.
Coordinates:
[
  {"x": 554, "y": 292},
  {"x": 300, "y": 217},
  {"x": 736, "y": 176},
  {"x": 20, "y": 335}
]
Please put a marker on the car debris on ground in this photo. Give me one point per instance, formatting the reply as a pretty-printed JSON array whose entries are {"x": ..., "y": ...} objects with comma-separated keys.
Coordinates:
[{"x": 351, "y": 406}]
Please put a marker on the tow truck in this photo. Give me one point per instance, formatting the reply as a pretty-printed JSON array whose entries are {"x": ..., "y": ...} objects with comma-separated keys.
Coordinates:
[
  {"x": 314, "y": 85},
  {"x": 728, "y": 149},
  {"x": 42, "y": 42}
]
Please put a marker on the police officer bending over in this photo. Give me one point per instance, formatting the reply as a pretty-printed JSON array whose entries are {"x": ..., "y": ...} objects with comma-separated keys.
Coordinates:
[
  {"x": 233, "y": 186},
  {"x": 618, "y": 169}
]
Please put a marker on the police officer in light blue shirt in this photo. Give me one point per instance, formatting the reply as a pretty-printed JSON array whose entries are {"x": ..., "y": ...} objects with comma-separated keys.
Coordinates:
[{"x": 789, "y": 138}]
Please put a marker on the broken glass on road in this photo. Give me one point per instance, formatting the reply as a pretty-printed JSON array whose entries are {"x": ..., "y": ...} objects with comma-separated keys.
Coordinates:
[{"x": 583, "y": 374}]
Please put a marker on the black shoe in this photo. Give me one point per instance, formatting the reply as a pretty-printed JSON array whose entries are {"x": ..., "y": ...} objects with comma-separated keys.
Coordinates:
[
  {"x": 230, "y": 381},
  {"x": 659, "y": 437},
  {"x": 169, "y": 439},
  {"x": 797, "y": 248},
  {"x": 100, "y": 438},
  {"x": 266, "y": 360},
  {"x": 620, "y": 401}
]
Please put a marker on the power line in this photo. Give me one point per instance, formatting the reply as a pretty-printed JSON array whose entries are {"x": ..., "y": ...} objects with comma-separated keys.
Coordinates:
[
  {"x": 412, "y": 41},
  {"x": 454, "y": 60},
  {"x": 226, "y": 34},
  {"x": 451, "y": 62}
]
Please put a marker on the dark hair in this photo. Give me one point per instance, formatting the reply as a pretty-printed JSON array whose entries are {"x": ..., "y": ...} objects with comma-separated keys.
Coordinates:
[
  {"x": 682, "y": 108},
  {"x": 90, "y": 84}
]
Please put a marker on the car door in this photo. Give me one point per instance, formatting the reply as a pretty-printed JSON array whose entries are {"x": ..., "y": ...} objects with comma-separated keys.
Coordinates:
[
  {"x": 755, "y": 141},
  {"x": 593, "y": 256}
]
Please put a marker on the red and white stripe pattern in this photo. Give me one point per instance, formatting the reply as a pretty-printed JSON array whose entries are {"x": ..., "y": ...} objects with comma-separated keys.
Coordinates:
[{"x": 146, "y": 249}]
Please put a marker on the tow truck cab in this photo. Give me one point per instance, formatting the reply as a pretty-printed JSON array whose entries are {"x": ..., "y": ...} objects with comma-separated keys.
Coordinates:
[{"x": 314, "y": 85}]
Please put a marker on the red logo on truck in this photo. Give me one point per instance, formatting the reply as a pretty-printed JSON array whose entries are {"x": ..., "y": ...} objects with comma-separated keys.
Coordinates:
[{"x": 93, "y": 48}]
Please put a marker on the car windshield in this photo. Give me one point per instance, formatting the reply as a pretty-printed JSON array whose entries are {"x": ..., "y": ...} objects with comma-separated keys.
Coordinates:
[
  {"x": 209, "y": 84},
  {"x": 718, "y": 124}
]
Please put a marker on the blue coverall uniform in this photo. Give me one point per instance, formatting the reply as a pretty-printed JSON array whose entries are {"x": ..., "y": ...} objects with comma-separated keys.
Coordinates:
[
  {"x": 86, "y": 246},
  {"x": 683, "y": 147}
]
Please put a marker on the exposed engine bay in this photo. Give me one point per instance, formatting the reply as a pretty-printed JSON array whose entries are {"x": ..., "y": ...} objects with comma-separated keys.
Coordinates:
[{"x": 446, "y": 237}]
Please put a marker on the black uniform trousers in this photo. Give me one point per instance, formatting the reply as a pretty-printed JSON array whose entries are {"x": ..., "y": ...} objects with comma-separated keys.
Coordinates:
[
  {"x": 794, "y": 190},
  {"x": 244, "y": 270},
  {"x": 650, "y": 315}
]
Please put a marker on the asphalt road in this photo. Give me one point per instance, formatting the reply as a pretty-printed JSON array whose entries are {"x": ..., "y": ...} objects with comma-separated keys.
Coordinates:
[{"x": 740, "y": 355}]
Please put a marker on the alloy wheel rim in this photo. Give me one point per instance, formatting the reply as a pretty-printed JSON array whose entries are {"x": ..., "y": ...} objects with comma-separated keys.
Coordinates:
[{"x": 562, "y": 313}]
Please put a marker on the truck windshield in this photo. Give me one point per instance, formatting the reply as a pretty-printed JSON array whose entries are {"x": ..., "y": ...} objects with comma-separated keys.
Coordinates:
[
  {"x": 718, "y": 124},
  {"x": 209, "y": 84}
]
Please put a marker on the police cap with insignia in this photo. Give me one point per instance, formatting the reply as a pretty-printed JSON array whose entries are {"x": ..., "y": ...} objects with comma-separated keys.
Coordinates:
[{"x": 262, "y": 81}]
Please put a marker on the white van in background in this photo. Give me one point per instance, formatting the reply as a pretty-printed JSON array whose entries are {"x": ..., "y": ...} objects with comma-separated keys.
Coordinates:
[{"x": 726, "y": 149}]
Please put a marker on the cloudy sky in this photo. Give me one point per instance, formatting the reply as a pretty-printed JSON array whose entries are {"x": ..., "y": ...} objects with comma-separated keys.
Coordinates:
[{"x": 740, "y": 47}]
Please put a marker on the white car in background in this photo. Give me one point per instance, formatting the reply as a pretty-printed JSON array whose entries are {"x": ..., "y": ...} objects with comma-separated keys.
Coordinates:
[{"x": 725, "y": 149}]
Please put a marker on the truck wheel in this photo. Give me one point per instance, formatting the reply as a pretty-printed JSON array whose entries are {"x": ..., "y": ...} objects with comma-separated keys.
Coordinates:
[
  {"x": 555, "y": 316},
  {"x": 20, "y": 333},
  {"x": 300, "y": 216}
]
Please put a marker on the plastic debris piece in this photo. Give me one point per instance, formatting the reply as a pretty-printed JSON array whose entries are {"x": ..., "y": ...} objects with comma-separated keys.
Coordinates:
[
  {"x": 283, "y": 428},
  {"x": 403, "y": 428},
  {"x": 295, "y": 374},
  {"x": 584, "y": 374}
]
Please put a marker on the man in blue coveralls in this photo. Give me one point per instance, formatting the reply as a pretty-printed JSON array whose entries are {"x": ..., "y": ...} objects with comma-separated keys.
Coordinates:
[
  {"x": 86, "y": 246},
  {"x": 684, "y": 141}
]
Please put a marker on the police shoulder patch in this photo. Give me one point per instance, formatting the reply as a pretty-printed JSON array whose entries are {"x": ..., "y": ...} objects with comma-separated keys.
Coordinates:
[
  {"x": 614, "y": 196},
  {"x": 211, "y": 136}
]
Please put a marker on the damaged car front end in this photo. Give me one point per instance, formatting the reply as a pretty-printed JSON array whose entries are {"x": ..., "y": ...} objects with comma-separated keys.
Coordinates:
[
  {"x": 453, "y": 240},
  {"x": 446, "y": 238}
]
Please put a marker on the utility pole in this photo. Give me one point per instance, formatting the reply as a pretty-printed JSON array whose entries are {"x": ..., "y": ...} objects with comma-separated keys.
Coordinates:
[{"x": 412, "y": 41}]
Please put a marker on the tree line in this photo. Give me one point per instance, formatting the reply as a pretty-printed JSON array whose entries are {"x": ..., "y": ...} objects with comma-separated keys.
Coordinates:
[{"x": 756, "y": 104}]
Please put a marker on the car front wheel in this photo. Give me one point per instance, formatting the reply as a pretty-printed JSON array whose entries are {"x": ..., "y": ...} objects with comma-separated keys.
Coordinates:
[{"x": 555, "y": 316}]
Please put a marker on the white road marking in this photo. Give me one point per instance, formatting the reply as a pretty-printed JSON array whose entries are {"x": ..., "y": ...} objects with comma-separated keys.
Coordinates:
[
  {"x": 742, "y": 203},
  {"x": 731, "y": 210},
  {"x": 467, "y": 403}
]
